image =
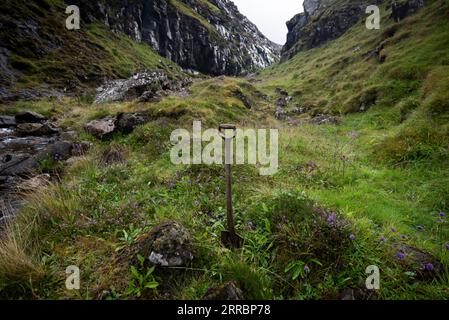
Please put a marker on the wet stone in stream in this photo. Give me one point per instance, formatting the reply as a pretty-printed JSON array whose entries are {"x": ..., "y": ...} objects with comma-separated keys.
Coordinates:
[{"x": 23, "y": 145}]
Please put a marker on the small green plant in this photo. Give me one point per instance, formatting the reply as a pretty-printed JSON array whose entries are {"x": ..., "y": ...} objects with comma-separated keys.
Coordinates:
[
  {"x": 296, "y": 268},
  {"x": 140, "y": 281},
  {"x": 128, "y": 237}
]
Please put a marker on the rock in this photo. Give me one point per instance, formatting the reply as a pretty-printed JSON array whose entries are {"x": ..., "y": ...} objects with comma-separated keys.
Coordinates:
[
  {"x": 7, "y": 121},
  {"x": 281, "y": 92},
  {"x": 321, "y": 21},
  {"x": 4, "y": 180},
  {"x": 242, "y": 97},
  {"x": 28, "y": 94},
  {"x": 226, "y": 291},
  {"x": 150, "y": 96},
  {"x": 100, "y": 128},
  {"x": 281, "y": 114},
  {"x": 75, "y": 159},
  {"x": 126, "y": 122},
  {"x": 34, "y": 183},
  {"x": 132, "y": 88},
  {"x": 377, "y": 52},
  {"x": 167, "y": 245},
  {"x": 300, "y": 110},
  {"x": 425, "y": 265},
  {"x": 356, "y": 294},
  {"x": 402, "y": 9},
  {"x": 325, "y": 119},
  {"x": 81, "y": 148},
  {"x": 111, "y": 156},
  {"x": 37, "y": 129},
  {"x": 29, "y": 117},
  {"x": 69, "y": 135},
  {"x": 24, "y": 164}
]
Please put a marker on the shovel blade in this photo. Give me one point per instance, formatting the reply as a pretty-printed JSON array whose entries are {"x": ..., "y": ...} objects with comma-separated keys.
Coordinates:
[{"x": 231, "y": 240}]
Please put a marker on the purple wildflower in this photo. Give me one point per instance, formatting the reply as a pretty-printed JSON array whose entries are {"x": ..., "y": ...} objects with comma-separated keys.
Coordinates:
[
  {"x": 401, "y": 255},
  {"x": 352, "y": 237},
  {"x": 306, "y": 269},
  {"x": 383, "y": 239},
  {"x": 331, "y": 218},
  {"x": 403, "y": 237},
  {"x": 428, "y": 266},
  {"x": 442, "y": 214},
  {"x": 394, "y": 230},
  {"x": 197, "y": 203}
]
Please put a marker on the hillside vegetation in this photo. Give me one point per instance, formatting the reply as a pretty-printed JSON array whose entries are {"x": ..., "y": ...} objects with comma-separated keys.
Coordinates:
[{"x": 371, "y": 190}]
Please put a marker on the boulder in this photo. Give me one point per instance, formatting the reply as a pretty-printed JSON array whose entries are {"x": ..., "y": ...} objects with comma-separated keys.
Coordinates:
[
  {"x": 167, "y": 245},
  {"x": 81, "y": 148},
  {"x": 29, "y": 117},
  {"x": 402, "y": 9},
  {"x": 226, "y": 291},
  {"x": 126, "y": 122},
  {"x": 128, "y": 89},
  {"x": 281, "y": 114},
  {"x": 7, "y": 121},
  {"x": 111, "y": 156},
  {"x": 37, "y": 129},
  {"x": 24, "y": 164},
  {"x": 100, "y": 128},
  {"x": 424, "y": 264}
]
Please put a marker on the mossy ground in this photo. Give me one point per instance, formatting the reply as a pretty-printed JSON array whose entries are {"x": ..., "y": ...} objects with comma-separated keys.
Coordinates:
[{"x": 354, "y": 169}]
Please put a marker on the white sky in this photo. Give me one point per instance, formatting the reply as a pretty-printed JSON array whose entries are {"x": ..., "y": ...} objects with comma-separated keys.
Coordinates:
[{"x": 270, "y": 16}]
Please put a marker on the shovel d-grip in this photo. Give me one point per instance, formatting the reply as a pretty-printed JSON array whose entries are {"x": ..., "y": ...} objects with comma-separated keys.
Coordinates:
[{"x": 229, "y": 238}]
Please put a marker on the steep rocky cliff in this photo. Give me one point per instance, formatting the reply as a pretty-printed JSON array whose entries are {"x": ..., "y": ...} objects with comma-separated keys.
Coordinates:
[
  {"x": 39, "y": 56},
  {"x": 210, "y": 36},
  {"x": 325, "y": 20}
]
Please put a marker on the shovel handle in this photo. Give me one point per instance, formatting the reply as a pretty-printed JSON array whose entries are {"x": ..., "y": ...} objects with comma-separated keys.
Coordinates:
[{"x": 223, "y": 127}]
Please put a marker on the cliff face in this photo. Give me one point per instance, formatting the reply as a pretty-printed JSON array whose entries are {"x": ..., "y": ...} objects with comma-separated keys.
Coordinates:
[
  {"x": 321, "y": 21},
  {"x": 325, "y": 20},
  {"x": 210, "y": 36}
]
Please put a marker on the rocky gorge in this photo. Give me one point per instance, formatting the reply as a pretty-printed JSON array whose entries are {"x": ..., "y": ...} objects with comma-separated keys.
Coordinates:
[
  {"x": 326, "y": 20},
  {"x": 211, "y": 37}
]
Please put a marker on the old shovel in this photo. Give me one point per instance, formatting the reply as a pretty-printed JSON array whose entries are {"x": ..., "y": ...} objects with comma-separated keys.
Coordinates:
[{"x": 229, "y": 238}]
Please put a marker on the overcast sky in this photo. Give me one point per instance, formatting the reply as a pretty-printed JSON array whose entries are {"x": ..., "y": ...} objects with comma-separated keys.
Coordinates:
[{"x": 270, "y": 16}]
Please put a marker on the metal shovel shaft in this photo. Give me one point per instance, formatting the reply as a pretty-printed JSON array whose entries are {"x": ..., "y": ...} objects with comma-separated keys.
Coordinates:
[
  {"x": 229, "y": 237},
  {"x": 229, "y": 211}
]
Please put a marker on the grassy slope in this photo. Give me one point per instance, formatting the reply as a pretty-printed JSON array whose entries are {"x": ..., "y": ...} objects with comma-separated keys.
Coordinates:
[{"x": 99, "y": 209}]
